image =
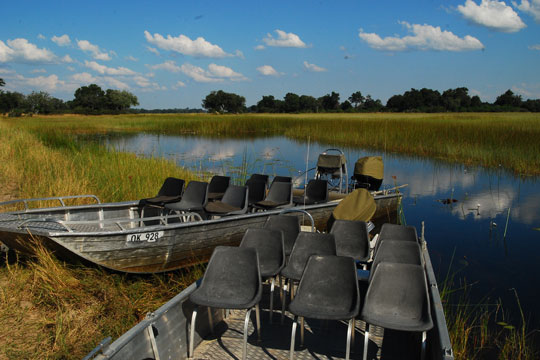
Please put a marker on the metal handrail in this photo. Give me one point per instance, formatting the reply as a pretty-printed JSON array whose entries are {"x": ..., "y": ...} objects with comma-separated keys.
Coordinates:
[
  {"x": 164, "y": 219},
  {"x": 59, "y": 198},
  {"x": 286, "y": 211}
]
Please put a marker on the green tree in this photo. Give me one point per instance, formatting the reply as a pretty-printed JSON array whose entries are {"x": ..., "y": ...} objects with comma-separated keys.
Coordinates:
[
  {"x": 2, "y": 83},
  {"x": 267, "y": 104},
  {"x": 90, "y": 98},
  {"x": 330, "y": 102},
  {"x": 10, "y": 101},
  {"x": 346, "y": 106},
  {"x": 308, "y": 104},
  {"x": 357, "y": 99},
  {"x": 509, "y": 99},
  {"x": 292, "y": 103},
  {"x": 221, "y": 101},
  {"x": 120, "y": 100}
]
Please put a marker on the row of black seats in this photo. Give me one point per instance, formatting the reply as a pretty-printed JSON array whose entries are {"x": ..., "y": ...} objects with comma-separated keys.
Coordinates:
[{"x": 324, "y": 266}]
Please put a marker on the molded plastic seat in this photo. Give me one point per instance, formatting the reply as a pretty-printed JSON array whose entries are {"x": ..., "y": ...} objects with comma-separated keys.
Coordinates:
[
  {"x": 279, "y": 178},
  {"x": 279, "y": 196},
  {"x": 269, "y": 246},
  {"x": 170, "y": 191},
  {"x": 257, "y": 190},
  {"x": 352, "y": 239},
  {"x": 396, "y": 251},
  {"x": 289, "y": 225},
  {"x": 396, "y": 232},
  {"x": 195, "y": 198},
  {"x": 217, "y": 187},
  {"x": 232, "y": 280},
  {"x": 397, "y": 298},
  {"x": 316, "y": 192},
  {"x": 235, "y": 201},
  {"x": 328, "y": 291},
  {"x": 259, "y": 177}
]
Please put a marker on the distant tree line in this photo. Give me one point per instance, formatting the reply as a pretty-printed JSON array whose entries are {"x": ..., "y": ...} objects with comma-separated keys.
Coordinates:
[
  {"x": 423, "y": 100},
  {"x": 89, "y": 99}
]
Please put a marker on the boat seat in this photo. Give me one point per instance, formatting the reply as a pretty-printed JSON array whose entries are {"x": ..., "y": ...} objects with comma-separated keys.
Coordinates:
[
  {"x": 396, "y": 232},
  {"x": 259, "y": 177},
  {"x": 279, "y": 178},
  {"x": 352, "y": 239},
  {"x": 316, "y": 193},
  {"x": 328, "y": 290},
  {"x": 306, "y": 244},
  {"x": 289, "y": 225},
  {"x": 257, "y": 190},
  {"x": 195, "y": 198},
  {"x": 171, "y": 191},
  {"x": 279, "y": 196},
  {"x": 269, "y": 246},
  {"x": 232, "y": 280},
  {"x": 395, "y": 251},
  {"x": 234, "y": 202},
  {"x": 217, "y": 187},
  {"x": 397, "y": 298}
]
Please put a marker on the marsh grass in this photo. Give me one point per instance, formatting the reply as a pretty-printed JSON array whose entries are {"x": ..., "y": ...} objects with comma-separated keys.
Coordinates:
[{"x": 53, "y": 310}]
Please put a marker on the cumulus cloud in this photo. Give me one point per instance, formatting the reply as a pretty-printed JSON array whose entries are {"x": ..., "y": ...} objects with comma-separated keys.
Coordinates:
[
  {"x": 184, "y": 45},
  {"x": 259, "y": 47},
  {"x": 84, "y": 78},
  {"x": 492, "y": 14},
  {"x": 105, "y": 70},
  {"x": 67, "y": 59},
  {"x": 313, "y": 67},
  {"x": 424, "y": 37},
  {"x": 41, "y": 37},
  {"x": 530, "y": 7},
  {"x": 153, "y": 50},
  {"x": 268, "y": 70},
  {"x": 48, "y": 83},
  {"x": 38, "y": 71},
  {"x": 179, "y": 84},
  {"x": 168, "y": 65},
  {"x": 215, "y": 73},
  {"x": 63, "y": 40},
  {"x": 535, "y": 47},
  {"x": 20, "y": 50},
  {"x": 284, "y": 39},
  {"x": 86, "y": 46},
  {"x": 131, "y": 58}
]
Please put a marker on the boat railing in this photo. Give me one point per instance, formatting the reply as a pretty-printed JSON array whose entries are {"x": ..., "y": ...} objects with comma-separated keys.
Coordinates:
[
  {"x": 68, "y": 224},
  {"x": 58, "y": 198},
  {"x": 292, "y": 210}
]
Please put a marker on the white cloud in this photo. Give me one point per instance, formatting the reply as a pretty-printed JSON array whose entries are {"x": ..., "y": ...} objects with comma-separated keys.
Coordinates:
[
  {"x": 153, "y": 50},
  {"x": 38, "y": 71},
  {"x": 104, "y": 70},
  {"x": 86, "y": 46},
  {"x": 259, "y": 47},
  {"x": 131, "y": 58},
  {"x": 47, "y": 83},
  {"x": 24, "y": 51},
  {"x": 63, "y": 40},
  {"x": 215, "y": 73},
  {"x": 535, "y": 47},
  {"x": 424, "y": 37},
  {"x": 84, "y": 78},
  {"x": 530, "y": 7},
  {"x": 225, "y": 72},
  {"x": 41, "y": 37},
  {"x": 67, "y": 59},
  {"x": 184, "y": 45},
  {"x": 168, "y": 65},
  {"x": 268, "y": 70},
  {"x": 492, "y": 14},
  {"x": 313, "y": 67},
  {"x": 179, "y": 84},
  {"x": 284, "y": 39},
  {"x": 115, "y": 83}
]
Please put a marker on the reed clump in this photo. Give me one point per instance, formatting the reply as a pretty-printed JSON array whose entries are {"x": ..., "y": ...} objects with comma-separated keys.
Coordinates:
[{"x": 53, "y": 310}]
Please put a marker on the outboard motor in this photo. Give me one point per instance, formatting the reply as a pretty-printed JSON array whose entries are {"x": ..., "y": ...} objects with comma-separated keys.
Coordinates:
[{"x": 369, "y": 173}]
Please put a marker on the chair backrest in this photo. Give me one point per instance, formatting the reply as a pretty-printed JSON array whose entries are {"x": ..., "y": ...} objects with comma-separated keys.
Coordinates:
[
  {"x": 219, "y": 184},
  {"x": 396, "y": 251},
  {"x": 236, "y": 196},
  {"x": 259, "y": 177},
  {"x": 257, "y": 190},
  {"x": 269, "y": 246},
  {"x": 328, "y": 289},
  {"x": 279, "y": 178},
  {"x": 196, "y": 193},
  {"x": 232, "y": 276},
  {"x": 317, "y": 190},
  {"x": 280, "y": 192},
  {"x": 307, "y": 244},
  {"x": 352, "y": 239},
  {"x": 289, "y": 225},
  {"x": 396, "y": 232},
  {"x": 171, "y": 187}
]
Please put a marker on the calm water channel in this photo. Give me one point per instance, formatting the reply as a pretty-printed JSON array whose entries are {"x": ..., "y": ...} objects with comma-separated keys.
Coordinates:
[{"x": 467, "y": 234}]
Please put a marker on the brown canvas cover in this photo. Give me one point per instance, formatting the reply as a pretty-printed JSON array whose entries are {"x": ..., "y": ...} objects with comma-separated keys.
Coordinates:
[
  {"x": 331, "y": 161},
  {"x": 358, "y": 205},
  {"x": 370, "y": 166}
]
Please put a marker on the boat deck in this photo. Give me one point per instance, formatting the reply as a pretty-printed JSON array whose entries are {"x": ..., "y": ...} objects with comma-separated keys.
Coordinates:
[{"x": 323, "y": 339}]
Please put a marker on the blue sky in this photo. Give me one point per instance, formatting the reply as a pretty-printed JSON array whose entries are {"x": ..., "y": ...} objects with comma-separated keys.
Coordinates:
[{"x": 173, "y": 53}]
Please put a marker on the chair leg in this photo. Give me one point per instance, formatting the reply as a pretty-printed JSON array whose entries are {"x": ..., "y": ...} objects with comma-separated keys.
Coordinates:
[
  {"x": 423, "y": 351},
  {"x": 366, "y": 341},
  {"x": 210, "y": 320},
  {"x": 272, "y": 298},
  {"x": 302, "y": 331},
  {"x": 258, "y": 317},
  {"x": 246, "y": 324},
  {"x": 192, "y": 332},
  {"x": 353, "y": 332},
  {"x": 293, "y": 336},
  {"x": 283, "y": 298},
  {"x": 350, "y": 331}
]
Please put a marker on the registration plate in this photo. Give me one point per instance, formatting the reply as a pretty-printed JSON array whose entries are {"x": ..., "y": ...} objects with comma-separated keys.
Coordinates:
[{"x": 142, "y": 237}]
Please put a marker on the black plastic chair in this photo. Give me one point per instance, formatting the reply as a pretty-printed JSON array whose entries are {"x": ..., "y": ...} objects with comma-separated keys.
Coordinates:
[
  {"x": 259, "y": 177},
  {"x": 328, "y": 290},
  {"x": 289, "y": 224},
  {"x": 279, "y": 196},
  {"x": 195, "y": 198},
  {"x": 396, "y": 251},
  {"x": 232, "y": 280},
  {"x": 171, "y": 191},
  {"x": 316, "y": 193},
  {"x": 234, "y": 202},
  {"x": 306, "y": 244},
  {"x": 269, "y": 246},
  {"x": 352, "y": 239},
  {"x": 279, "y": 178},
  {"x": 257, "y": 190},
  {"x": 217, "y": 187},
  {"x": 397, "y": 298},
  {"x": 396, "y": 232}
]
